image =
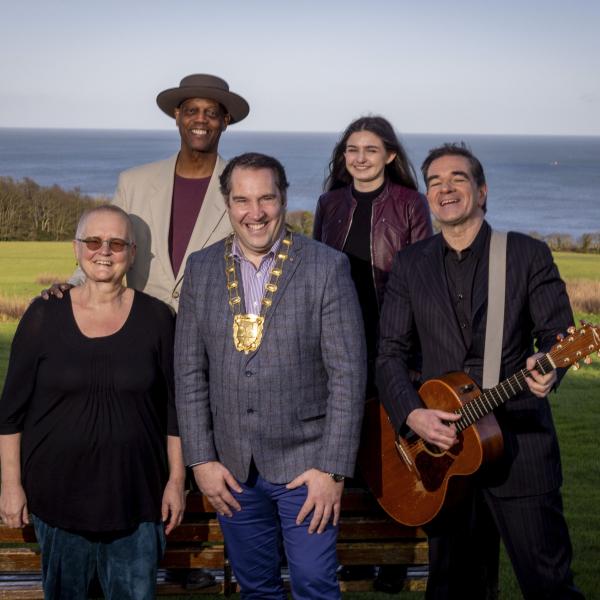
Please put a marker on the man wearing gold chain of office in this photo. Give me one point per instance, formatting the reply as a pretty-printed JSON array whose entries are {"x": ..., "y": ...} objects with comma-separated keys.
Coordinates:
[{"x": 270, "y": 375}]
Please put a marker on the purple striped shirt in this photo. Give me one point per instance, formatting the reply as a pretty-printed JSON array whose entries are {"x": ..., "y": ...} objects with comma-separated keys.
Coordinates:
[{"x": 253, "y": 279}]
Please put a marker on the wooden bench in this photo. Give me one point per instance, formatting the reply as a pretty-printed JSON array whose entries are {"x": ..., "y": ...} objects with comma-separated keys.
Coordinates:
[{"x": 367, "y": 537}]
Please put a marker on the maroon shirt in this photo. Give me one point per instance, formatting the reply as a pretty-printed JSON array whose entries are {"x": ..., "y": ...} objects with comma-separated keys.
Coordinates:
[{"x": 188, "y": 195}]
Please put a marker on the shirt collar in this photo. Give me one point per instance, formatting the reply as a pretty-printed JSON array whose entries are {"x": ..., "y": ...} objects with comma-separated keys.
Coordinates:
[{"x": 477, "y": 246}]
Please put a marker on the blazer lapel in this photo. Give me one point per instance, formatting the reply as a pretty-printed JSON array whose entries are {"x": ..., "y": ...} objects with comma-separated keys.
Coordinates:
[
  {"x": 211, "y": 213},
  {"x": 161, "y": 190}
]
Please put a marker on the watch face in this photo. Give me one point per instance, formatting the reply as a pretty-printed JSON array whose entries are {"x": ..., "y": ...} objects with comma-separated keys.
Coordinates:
[{"x": 336, "y": 477}]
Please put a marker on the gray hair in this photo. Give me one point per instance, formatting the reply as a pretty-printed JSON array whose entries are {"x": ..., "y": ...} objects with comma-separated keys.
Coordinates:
[{"x": 110, "y": 208}]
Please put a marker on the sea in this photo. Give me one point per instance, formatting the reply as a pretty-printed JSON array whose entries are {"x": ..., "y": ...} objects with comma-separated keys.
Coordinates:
[{"x": 543, "y": 184}]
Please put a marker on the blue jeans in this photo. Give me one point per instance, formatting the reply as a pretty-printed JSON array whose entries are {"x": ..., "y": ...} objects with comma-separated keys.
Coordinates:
[
  {"x": 252, "y": 538},
  {"x": 126, "y": 562}
]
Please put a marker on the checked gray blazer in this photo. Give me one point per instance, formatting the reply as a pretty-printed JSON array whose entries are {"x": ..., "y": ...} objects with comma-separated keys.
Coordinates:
[{"x": 296, "y": 402}]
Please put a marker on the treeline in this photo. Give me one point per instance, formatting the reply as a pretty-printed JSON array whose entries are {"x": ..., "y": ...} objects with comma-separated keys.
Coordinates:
[
  {"x": 31, "y": 212},
  {"x": 587, "y": 243}
]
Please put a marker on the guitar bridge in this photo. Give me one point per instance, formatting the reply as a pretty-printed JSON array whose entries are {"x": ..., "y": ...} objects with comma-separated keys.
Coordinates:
[{"x": 398, "y": 442}]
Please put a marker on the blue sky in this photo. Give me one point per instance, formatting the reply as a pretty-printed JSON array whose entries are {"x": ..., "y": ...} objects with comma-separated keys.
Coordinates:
[{"x": 529, "y": 67}]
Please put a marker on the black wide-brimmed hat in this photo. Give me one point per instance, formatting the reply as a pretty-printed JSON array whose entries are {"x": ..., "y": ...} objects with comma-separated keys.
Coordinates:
[{"x": 203, "y": 86}]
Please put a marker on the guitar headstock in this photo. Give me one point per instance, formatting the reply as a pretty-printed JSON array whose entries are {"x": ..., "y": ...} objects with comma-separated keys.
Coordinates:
[{"x": 576, "y": 345}]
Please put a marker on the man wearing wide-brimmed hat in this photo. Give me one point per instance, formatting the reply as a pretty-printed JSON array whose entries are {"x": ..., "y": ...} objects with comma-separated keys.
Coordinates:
[{"x": 175, "y": 203}]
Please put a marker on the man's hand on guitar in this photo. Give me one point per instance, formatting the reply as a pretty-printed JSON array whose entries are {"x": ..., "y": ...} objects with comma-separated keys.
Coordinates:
[
  {"x": 434, "y": 426},
  {"x": 539, "y": 385}
]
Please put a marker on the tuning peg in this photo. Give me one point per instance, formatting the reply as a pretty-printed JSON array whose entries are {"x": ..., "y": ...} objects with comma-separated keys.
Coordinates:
[
  {"x": 560, "y": 337},
  {"x": 571, "y": 330},
  {"x": 576, "y": 366},
  {"x": 587, "y": 360}
]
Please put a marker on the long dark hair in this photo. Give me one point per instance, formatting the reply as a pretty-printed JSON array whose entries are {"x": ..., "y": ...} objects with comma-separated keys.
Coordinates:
[{"x": 400, "y": 170}]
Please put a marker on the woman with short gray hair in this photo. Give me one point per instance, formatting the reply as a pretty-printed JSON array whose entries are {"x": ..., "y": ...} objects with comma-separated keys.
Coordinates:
[{"x": 89, "y": 444}]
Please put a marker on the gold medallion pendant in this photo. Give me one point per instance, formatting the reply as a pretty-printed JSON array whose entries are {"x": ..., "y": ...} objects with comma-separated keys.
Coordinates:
[
  {"x": 248, "y": 328},
  {"x": 247, "y": 332}
]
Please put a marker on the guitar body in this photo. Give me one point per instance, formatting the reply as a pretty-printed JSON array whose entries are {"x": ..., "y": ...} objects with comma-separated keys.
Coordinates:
[{"x": 411, "y": 480}]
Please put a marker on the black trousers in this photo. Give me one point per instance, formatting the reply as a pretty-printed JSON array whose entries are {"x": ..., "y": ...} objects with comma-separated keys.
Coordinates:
[{"x": 464, "y": 548}]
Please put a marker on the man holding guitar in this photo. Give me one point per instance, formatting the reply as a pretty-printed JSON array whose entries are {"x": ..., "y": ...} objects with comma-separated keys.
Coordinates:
[{"x": 437, "y": 293}]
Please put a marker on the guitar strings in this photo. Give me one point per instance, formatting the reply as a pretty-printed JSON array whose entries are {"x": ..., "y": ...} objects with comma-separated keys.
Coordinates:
[{"x": 486, "y": 401}]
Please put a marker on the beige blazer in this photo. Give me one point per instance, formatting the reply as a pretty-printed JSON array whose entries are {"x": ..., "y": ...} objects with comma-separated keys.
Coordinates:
[{"x": 145, "y": 193}]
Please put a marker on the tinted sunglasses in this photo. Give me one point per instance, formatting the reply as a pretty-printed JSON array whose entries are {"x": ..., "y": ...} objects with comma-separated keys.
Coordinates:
[{"x": 94, "y": 243}]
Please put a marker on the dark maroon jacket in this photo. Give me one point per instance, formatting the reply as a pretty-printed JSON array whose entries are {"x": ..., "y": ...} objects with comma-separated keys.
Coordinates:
[{"x": 400, "y": 217}]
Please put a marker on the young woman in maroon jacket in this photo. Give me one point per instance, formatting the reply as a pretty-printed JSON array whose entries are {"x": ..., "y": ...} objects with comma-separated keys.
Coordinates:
[{"x": 370, "y": 210}]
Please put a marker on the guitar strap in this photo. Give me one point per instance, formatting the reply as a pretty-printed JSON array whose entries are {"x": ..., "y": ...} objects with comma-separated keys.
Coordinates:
[{"x": 494, "y": 325}]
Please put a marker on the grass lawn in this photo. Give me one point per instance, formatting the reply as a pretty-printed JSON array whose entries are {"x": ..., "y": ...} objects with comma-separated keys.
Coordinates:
[
  {"x": 22, "y": 262},
  {"x": 578, "y": 266},
  {"x": 575, "y": 408}
]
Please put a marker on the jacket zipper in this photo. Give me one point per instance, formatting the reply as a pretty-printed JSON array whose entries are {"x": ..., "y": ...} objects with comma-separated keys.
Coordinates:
[
  {"x": 376, "y": 201},
  {"x": 350, "y": 224},
  {"x": 372, "y": 260}
]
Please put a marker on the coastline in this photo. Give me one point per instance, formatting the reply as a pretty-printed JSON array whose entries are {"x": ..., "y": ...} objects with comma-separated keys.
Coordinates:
[{"x": 547, "y": 184}]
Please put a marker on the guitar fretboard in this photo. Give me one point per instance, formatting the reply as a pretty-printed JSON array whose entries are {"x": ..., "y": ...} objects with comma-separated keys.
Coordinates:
[{"x": 491, "y": 399}]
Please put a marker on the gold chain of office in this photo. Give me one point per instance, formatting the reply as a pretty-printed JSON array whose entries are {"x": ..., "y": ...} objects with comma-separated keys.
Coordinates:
[{"x": 248, "y": 328}]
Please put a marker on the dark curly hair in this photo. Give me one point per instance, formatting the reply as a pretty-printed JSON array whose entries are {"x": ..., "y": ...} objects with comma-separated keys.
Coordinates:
[{"x": 254, "y": 160}]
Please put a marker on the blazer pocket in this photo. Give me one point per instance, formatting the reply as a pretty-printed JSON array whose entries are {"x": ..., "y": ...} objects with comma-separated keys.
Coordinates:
[{"x": 310, "y": 412}]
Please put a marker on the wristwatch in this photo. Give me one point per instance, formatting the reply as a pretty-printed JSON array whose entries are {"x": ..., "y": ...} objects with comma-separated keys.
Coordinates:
[{"x": 336, "y": 477}]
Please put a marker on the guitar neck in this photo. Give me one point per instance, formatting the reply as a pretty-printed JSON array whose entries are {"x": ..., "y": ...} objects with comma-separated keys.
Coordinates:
[
  {"x": 492, "y": 398},
  {"x": 566, "y": 353}
]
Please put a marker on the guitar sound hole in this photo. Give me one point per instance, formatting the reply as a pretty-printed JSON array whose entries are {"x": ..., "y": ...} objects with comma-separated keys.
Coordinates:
[
  {"x": 433, "y": 468},
  {"x": 433, "y": 450}
]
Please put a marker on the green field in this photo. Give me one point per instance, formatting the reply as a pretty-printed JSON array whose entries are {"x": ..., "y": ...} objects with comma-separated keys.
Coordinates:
[
  {"x": 22, "y": 262},
  {"x": 573, "y": 265},
  {"x": 575, "y": 409}
]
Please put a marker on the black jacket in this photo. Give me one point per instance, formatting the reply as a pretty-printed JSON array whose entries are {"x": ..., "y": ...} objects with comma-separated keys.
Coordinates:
[{"x": 417, "y": 303}]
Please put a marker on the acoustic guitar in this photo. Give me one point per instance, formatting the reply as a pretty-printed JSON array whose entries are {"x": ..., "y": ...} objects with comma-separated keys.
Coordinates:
[{"x": 411, "y": 479}]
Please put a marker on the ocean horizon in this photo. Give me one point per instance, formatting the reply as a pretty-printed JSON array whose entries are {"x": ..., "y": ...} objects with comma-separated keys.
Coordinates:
[{"x": 545, "y": 184}]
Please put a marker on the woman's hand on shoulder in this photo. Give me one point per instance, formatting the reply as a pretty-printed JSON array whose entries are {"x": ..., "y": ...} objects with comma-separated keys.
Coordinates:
[{"x": 13, "y": 505}]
